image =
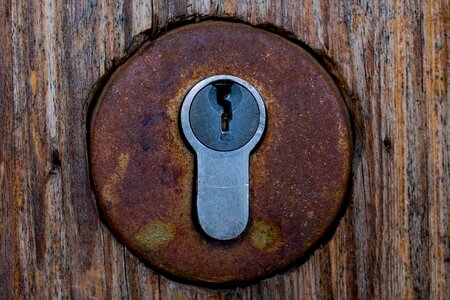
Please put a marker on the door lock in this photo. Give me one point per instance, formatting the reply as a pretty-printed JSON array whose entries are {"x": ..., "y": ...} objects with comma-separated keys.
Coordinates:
[
  {"x": 268, "y": 164},
  {"x": 223, "y": 118}
]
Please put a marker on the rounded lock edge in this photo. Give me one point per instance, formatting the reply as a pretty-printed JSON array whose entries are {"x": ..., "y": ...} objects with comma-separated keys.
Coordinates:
[{"x": 189, "y": 98}]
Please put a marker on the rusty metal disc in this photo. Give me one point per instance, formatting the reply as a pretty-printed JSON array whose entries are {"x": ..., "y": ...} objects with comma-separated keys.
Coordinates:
[{"x": 143, "y": 170}]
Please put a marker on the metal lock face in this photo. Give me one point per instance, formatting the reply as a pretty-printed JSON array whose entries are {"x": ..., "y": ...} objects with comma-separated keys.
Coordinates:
[
  {"x": 224, "y": 112},
  {"x": 220, "y": 153},
  {"x": 223, "y": 118}
]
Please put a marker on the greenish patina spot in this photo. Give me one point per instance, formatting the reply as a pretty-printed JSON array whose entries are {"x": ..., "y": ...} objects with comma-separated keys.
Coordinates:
[
  {"x": 266, "y": 236},
  {"x": 155, "y": 235}
]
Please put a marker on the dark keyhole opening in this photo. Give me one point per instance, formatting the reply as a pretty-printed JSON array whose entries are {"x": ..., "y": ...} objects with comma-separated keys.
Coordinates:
[{"x": 223, "y": 89}]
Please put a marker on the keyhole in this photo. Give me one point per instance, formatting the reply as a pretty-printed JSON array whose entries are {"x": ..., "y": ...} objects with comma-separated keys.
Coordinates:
[{"x": 223, "y": 89}]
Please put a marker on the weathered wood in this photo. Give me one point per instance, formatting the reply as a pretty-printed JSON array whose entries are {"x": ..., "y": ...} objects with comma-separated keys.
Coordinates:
[{"x": 391, "y": 57}]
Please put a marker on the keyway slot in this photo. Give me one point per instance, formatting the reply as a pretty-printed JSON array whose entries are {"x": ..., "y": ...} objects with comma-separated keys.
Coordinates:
[{"x": 223, "y": 96}]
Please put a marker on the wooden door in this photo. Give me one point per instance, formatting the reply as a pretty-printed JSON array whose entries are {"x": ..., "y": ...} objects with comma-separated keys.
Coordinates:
[{"x": 390, "y": 57}]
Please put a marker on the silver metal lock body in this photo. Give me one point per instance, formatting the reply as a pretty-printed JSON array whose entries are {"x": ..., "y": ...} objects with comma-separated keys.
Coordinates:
[{"x": 223, "y": 118}]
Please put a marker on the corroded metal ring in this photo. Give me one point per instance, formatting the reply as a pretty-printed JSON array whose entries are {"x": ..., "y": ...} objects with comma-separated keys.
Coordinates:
[{"x": 143, "y": 171}]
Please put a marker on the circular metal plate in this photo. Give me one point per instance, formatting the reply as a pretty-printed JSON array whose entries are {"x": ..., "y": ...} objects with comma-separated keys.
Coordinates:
[{"x": 143, "y": 171}]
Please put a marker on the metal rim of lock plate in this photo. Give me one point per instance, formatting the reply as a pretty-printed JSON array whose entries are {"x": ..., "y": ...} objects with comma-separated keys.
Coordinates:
[{"x": 144, "y": 172}]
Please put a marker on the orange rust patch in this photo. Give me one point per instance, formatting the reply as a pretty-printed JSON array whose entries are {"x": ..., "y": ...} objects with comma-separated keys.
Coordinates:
[
  {"x": 266, "y": 236},
  {"x": 310, "y": 214},
  {"x": 343, "y": 144},
  {"x": 155, "y": 235},
  {"x": 109, "y": 190}
]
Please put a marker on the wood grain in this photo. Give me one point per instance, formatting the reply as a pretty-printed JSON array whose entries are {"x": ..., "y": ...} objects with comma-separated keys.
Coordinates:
[{"x": 392, "y": 59}]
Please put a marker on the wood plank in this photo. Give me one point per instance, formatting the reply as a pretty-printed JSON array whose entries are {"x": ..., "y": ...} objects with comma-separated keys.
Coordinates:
[{"x": 392, "y": 59}]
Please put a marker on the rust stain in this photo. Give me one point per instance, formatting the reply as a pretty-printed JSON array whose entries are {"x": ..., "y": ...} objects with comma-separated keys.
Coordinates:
[
  {"x": 344, "y": 148},
  {"x": 266, "y": 236},
  {"x": 155, "y": 235},
  {"x": 343, "y": 139},
  {"x": 109, "y": 190},
  {"x": 325, "y": 192}
]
